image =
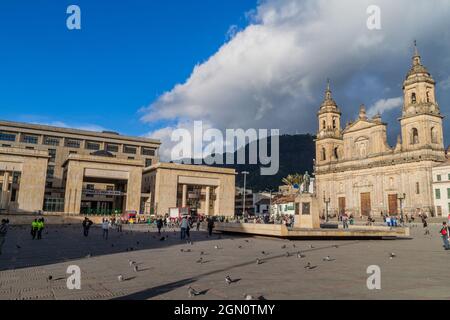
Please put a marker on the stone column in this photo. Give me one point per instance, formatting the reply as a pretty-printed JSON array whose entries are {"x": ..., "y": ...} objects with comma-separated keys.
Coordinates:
[
  {"x": 74, "y": 189},
  {"x": 5, "y": 181},
  {"x": 133, "y": 202},
  {"x": 208, "y": 191},
  {"x": 184, "y": 196}
]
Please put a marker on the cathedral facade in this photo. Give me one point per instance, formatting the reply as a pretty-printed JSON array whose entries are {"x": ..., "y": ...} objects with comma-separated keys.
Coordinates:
[{"x": 356, "y": 170}]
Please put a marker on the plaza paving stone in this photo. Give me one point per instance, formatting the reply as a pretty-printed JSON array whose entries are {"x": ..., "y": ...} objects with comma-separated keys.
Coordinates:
[{"x": 418, "y": 272}]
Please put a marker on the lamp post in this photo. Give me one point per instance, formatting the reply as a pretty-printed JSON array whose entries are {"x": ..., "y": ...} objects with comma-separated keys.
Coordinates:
[
  {"x": 401, "y": 198},
  {"x": 245, "y": 173},
  {"x": 327, "y": 202}
]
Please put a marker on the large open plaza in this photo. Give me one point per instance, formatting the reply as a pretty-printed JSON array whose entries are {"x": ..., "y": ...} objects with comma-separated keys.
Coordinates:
[{"x": 32, "y": 269}]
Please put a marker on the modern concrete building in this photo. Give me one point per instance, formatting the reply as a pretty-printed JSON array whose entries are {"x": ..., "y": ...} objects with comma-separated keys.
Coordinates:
[
  {"x": 441, "y": 189},
  {"x": 72, "y": 171},
  {"x": 205, "y": 190}
]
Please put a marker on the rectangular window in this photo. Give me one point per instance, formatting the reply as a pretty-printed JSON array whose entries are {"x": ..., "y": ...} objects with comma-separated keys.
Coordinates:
[
  {"x": 112, "y": 147},
  {"x": 52, "y": 141},
  {"x": 49, "y": 184},
  {"x": 29, "y": 148},
  {"x": 4, "y": 136},
  {"x": 448, "y": 193},
  {"x": 130, "y": 158},
  {"x": 28, "y": 138},
  {"x": 449, "y": 177},
  {"x": 50, "y": 172},
  {"x": 52, "y": 154},
  {"x": 92, "y": 145},
  {"x": 72, "y": 143},
  {"x": 73, "y": 152},
  {"x": 6, "y": 145},
  {"x": 109, "y": 188},
  {"x": 148, "y": 152},
  {"x": 438, "y": 194},
  {"x": 148, "y": 162},
  {"x": 129, "y": 149},
  {"x": 439, "y": 177},
  {"x": 92, "y": 188}
]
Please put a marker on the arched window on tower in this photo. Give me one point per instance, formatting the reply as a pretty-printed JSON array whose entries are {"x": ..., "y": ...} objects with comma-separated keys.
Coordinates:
[
  {"x": 324, "y": 154},
  {"x": 324, "y": 125},
  {"x": 334, "y": 123},
  {"x": 428, "y": 96},
  {"x": 413, "y": 98},
  {"x": 433, "y": 135},
  {"x": 336, "y": 153},
  {"x": 414, "y": 136}
]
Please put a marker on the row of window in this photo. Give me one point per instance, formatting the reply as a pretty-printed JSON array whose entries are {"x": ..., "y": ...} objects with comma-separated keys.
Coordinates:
[
  {"x": 437, "y": 193},
  {"x": 74, "y": 143},
  {"x": 439, "y": 177}
]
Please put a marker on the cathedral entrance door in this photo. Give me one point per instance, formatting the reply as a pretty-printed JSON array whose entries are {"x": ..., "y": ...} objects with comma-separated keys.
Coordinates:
[
  {"x": 341, "y": 205},
  {"x": 365, "y": 204},
  {"x": 393, "y": 204}
]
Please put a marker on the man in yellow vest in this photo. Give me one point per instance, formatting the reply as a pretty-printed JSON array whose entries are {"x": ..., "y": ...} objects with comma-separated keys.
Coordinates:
[
  {"x": 34, "y": 228},
  {"x": 40, "y": 228}
]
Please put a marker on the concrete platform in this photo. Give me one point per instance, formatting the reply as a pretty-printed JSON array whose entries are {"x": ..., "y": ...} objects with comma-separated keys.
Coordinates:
[{"x": 281, "y": 231}]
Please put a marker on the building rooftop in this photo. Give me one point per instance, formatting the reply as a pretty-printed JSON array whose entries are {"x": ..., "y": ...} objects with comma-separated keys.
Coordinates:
[{"x": 104, "y": 134}]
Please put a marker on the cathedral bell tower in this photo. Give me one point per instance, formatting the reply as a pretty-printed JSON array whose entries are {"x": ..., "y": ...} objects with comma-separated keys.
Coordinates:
[
  {"x": 329, "y": 143},
  {"x": 421, "y": 121}
]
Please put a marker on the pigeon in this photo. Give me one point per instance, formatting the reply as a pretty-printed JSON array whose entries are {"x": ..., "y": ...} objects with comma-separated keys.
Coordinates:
[
  {"x": 120, "y": 278},
  {"x": 192, "y": 292},
  {"x": 240, "y": 247},
  {"x": 288, "y": 254},
  {"x": 283, "y": 246},
  {"x": 228, "y": 280},
  {"x": 202, "y": 253},
  {"x": 18, "y": 247},
  {"x": 136, "y": 268},
  {"x": 311, "y": 246},
  {"x": 131, "y": 262},
  {"x": 247, "y": 241},
  {"x": 392, "y": 255},
  {"x": 264, "y": 253},
  {"x": 336, "y": 246},
  {"x": 300, "y": 255},
  {"x": 216, "y": 247},
  {"x": 258, "y": 261},
  {"x": 327, "y": 258},
  {"x": 199, "y": 260},
  {"x": 250, "y": 297},
  {"x": 309, "y": 266},
  {"x": 50, "y": 278}
]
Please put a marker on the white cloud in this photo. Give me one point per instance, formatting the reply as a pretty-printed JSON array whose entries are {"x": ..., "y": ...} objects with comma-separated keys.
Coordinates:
[
  {"x": 272, "y": 73},
  {"x": 383, "y": 105}
]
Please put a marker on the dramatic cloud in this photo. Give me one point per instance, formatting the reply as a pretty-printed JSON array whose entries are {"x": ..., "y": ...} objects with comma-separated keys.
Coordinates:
[
  {"x": 383, "y": 105},
  {"x": 272, "y": 73}
]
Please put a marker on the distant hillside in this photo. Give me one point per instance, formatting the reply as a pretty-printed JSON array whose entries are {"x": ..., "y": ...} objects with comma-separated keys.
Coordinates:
[{"x": 296, "y": 156}]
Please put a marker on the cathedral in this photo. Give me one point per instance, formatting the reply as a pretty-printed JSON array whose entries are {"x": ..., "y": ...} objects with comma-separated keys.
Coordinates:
[{"x": 356, "y": 170}]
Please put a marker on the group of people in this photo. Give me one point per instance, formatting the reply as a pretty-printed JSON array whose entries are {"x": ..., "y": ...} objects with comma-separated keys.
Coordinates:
[{"x": 37, "y": 226}]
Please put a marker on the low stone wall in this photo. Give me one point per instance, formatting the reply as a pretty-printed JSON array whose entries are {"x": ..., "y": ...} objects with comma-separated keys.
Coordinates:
[{"x": 273, "y": 230}]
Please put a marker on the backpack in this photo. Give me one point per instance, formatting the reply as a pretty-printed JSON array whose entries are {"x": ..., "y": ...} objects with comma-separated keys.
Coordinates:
[{"x": 444, "y": 231}]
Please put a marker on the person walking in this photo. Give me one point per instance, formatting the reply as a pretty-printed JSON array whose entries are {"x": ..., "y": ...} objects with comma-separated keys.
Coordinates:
[
  {"x": 34, "y": 228},
  {"x": 344, "y": 221},
  {"x": 444, "y": 235},
  {"x": 188, "y": 228},
  {"x": 119, "y": 225},
  {"x": 159, "y": 225},
  {"x": 210, "y": 226},
  {"x": 3, "y": 231},
  {"x": 40, "y": 228},
  {"x": 105, "y": 228},
  {"x": 183, "y": 227},
  {"x": 198, "y": 224},
  {"x": 425, "y": 226},
  {"x": 86, "y": 225}
]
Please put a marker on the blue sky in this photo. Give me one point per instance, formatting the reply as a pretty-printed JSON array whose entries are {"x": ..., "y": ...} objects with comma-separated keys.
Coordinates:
[
  {"x": 149, "y": 67},
  {"x": 126, "y": 55}
]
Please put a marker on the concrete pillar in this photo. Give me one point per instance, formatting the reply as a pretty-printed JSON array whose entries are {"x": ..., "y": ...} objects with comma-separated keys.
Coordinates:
[
  {"x": 74, "y": 189},
  {"x": 134, "y": 186},
  {"x": 184, "y": 196},
  {"x": 5, "y": 186},
  {"x": 208, "y": 191}
]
